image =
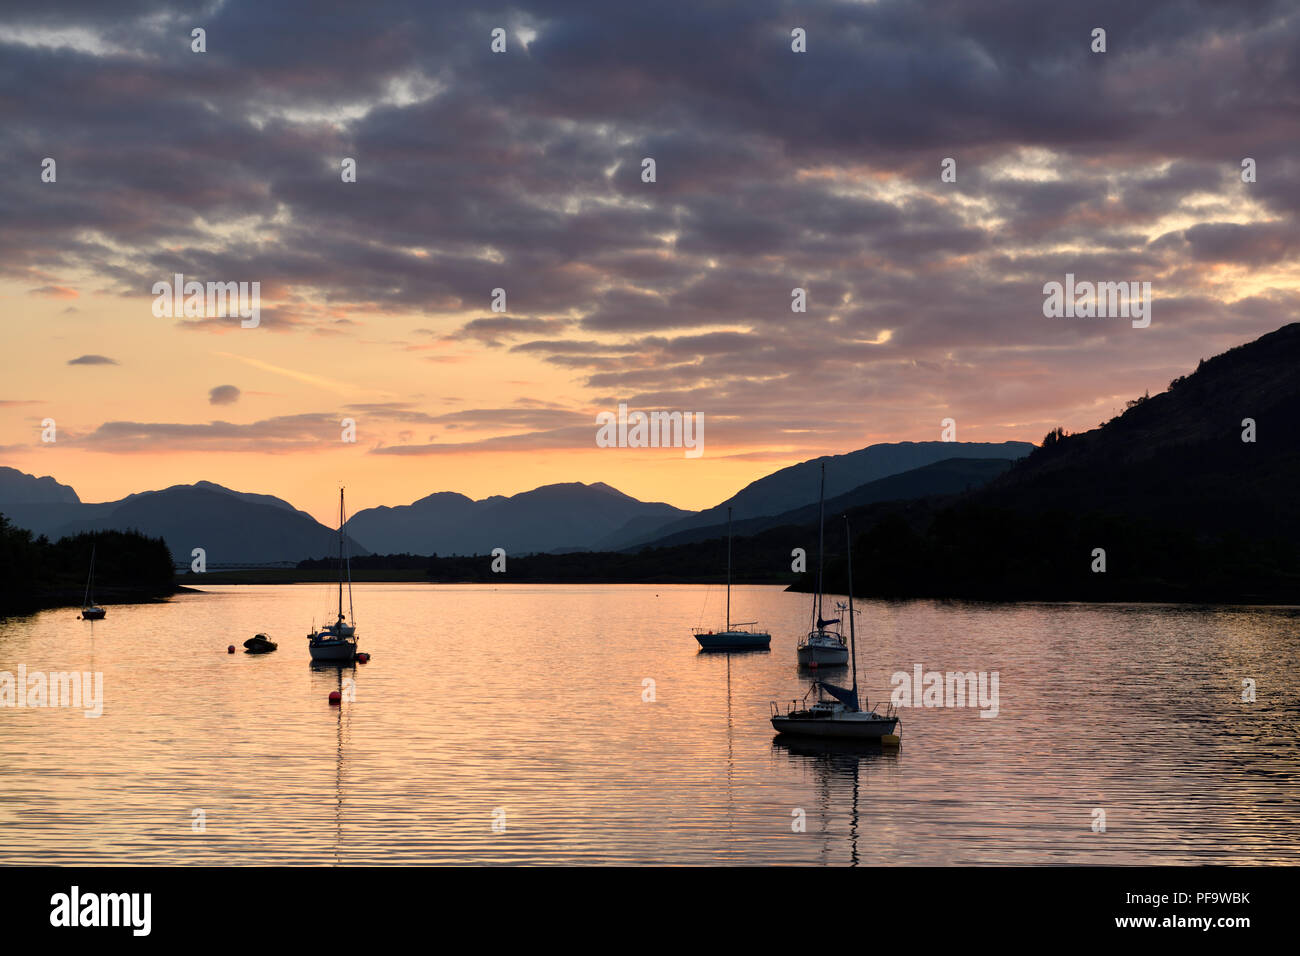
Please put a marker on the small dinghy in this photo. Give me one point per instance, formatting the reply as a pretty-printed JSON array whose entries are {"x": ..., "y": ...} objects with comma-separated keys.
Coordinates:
[{"x": 259, "y": 644}]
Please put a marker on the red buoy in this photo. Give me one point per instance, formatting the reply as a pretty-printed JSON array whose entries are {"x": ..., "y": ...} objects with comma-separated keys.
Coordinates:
[
  {"x": 336, "y": 697},
  {"x": 230, "y": 649},
  {"x": 362, "y": 657}
]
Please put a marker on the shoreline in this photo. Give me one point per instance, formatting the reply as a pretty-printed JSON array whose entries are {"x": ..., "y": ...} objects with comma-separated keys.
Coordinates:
[
  {"x": 57, "y": 598},
  {"x": 194, "y": 582},
  {"x": 420, "y": 576},
  {"x": 70, "y": 598}
]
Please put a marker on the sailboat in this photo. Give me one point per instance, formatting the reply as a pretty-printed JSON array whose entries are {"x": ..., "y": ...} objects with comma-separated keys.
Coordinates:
[
  {"x": 841, "y": 715},
  {"x": 734, "y": 637},
  {"x": 337, "y": 642},
  {"x": 91, "y": 611},
  {"x": 822, "y": 647}
]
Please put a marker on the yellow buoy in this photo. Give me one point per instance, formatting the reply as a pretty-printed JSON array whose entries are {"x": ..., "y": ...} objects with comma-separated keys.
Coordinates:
[{"x": 890, "y": 740}]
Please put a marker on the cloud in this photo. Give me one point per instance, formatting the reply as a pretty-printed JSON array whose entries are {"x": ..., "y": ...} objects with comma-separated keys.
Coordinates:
[
  {"x": 55, "y": 292},
  {"x": 319, "y": 381},
  {"x": 492, "y": 331},
  {"x": 223, "y": 395},
  {"x": 283, "y": 433},
  {"x": 775, "y": 170},
  {"x": 561, "y": 438},
  {"x": 308, "y": 431}
]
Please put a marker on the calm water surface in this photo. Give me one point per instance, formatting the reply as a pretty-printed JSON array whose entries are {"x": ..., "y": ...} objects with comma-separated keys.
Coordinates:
[{"x": 528, "y": 700}]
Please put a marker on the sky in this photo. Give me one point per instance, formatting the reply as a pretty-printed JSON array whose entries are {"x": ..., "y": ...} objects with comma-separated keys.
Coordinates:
[{"x": 523, "y": 170}]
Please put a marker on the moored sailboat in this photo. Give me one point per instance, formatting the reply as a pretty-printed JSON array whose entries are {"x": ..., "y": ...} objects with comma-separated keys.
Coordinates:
[
  {"x": 734, "y": 637},
  {"x": 823, "y": 646},
  {"x": 336, "y": 643},
  {"x": 838, "y": 712},
  {"x": 91, "y": 611}
]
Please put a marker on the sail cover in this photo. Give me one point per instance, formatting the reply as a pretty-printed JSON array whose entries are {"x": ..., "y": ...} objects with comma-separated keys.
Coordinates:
[{"x": 846, "y": 696}]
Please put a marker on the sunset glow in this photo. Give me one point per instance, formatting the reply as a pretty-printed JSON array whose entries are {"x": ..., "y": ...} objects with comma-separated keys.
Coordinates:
[{"x": 477, "y": 172}]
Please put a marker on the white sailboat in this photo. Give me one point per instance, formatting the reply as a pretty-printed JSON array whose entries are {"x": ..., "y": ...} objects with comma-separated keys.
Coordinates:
[
  {"x": 733, "y": 637},
  {"x": 337, "y": 642},
  {"x": 837, "y": 712},
  {"x": 91, "y": 611},
  {"x": 823, "y": 646}
]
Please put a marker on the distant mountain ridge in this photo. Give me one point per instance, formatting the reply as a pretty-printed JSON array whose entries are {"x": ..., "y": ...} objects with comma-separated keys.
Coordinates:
[
  {"x": 949, "y": 477},
  {"x": 21, "y": 488},
  {"x": 232, "y": 527},
  {"x": 568, "y": 516},
  {"x": 235, "y": 527},
  {"x": 797, "y": 485}
]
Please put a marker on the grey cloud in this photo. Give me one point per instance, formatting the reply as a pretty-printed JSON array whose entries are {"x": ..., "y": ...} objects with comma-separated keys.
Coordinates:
[{"x": 775, "y": 170}]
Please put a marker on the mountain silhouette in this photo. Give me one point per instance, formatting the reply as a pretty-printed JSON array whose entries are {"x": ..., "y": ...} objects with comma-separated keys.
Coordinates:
[
  {"x": 21, "y": 488},
  {"x": 1169, "y": 494},
  {"x": 561, "y": 517},
  {"x": 1179, "y": 455},
  {"x": 950, "y": 477},
  {"x": 1165, "y": 502},
  {"x": 569, "y": 516},
  {"x": 797, "y": 485},
  {"x": 232, "y": 527}
]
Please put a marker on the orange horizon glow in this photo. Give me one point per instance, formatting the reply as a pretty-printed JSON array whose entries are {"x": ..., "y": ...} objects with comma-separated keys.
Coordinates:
[{"x": 164, "y": 374}]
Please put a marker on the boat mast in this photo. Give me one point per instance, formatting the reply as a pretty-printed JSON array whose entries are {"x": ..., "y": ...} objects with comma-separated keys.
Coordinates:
[
  {"x": 821, "y": 543},
  {"x": 728, "y": 570},
  {"x": 348, "y": 561},
  {"x": 853, "y": 636},
  {"x": 90, "y": 579},
  {"x": 340, "y": 553}
]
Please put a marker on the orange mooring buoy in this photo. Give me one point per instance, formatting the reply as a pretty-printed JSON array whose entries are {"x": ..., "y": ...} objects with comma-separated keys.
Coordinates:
[
  {"x": 230, "y": 649},
  {"x": 336, "y": 697}
]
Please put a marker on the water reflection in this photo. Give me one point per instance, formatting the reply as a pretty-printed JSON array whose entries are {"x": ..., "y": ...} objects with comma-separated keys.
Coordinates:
[
  {"x": 544, "y": 713},
  {"x": 333, "y": 675},
  {"x": 841, "y": 768}
]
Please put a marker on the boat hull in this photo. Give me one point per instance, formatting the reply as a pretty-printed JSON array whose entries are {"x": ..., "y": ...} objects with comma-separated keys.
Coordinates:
[
  {"x": 860, "y": 727},
  {"x": 333, "y": 652},
  {"x": 813, "y": 655},
  {"x": 733, "y": 640},
  {"x": 93, "y": 613}
]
